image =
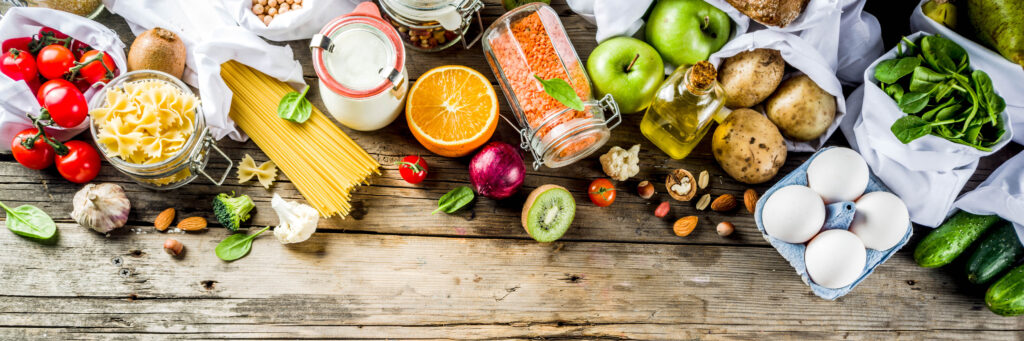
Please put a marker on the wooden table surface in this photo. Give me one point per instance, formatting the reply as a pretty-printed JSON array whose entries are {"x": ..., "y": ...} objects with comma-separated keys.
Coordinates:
[{"x": 393, "y": 271}]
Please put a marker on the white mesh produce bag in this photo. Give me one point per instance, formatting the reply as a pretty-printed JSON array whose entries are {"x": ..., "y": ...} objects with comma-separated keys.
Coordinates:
[
  {"x": 802, "y": 57},
  {"x": 926, "y": 173},
  {"x": 16, "y": 98}
]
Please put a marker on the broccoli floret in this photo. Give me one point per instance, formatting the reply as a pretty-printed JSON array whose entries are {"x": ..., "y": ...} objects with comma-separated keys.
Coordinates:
[{"x": 232, "y": 211}]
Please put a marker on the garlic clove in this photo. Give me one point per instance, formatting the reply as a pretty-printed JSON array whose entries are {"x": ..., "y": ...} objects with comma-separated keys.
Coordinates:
[{"x": 102, "y": 207}]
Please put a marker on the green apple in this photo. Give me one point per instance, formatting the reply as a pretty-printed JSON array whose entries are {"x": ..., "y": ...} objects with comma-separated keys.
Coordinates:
[
  {"x": 687, "y": 31},
  {"x": 628, "y": 69}
]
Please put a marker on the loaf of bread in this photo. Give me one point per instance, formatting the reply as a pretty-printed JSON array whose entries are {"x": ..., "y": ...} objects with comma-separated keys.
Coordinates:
[{"x": 771, "y": 12}]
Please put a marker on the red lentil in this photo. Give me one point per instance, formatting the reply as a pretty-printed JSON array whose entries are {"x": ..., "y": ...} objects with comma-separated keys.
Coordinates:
[{"x": 532, "y": 50}]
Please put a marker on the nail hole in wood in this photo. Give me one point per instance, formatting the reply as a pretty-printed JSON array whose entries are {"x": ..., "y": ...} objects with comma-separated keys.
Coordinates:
[{"x": 208, "y": 284}]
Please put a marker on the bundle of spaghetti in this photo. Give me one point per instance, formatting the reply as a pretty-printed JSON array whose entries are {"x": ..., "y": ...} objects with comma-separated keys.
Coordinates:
[{"x": 320, "y": 159}]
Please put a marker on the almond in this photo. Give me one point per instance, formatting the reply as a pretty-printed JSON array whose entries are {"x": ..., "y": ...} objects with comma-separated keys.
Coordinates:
[
  {"x": 192, "y": 224},
  {"x": 750, "y": 199},
  {"x": 684, "y": 226},
  {"x": 724, "y": 203},
  {"x": 164, "y": 219}
]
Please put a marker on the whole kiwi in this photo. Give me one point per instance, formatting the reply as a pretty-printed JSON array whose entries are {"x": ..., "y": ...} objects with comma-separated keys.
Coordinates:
[{"x": 158, "y": 49}]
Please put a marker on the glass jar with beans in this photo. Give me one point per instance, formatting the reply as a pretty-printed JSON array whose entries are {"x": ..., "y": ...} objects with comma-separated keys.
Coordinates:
[
  {"x": 434, "y": 25},
  {"x": 266, "y": 10}
]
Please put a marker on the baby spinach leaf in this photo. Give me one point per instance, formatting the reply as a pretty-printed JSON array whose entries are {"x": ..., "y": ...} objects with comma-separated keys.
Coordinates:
[
  {"x": 890, "y": 71},
  {"x": 236, "y": 245},
  {"x": 29, "y": 221},
  {"x": 943, "y": 54},
  {"x": 947, "y": 112},
  {"x": 295, "y": 107},
  {"x": 454, "y": 200},
  {"x": 909, "y": 128},
  {"x": 894, "y": 90},
  {"x": 913, "y": 102},
  {"x": 987, "y": 94},
  {"x": 561, "y": 91},
  {"x": 925, "y": 79}
]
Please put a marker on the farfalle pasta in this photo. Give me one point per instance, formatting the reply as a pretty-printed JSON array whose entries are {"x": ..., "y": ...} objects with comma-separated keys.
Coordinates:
[
  {"x": 145, "y": 122},
  {"x": 265, "y": 173}
]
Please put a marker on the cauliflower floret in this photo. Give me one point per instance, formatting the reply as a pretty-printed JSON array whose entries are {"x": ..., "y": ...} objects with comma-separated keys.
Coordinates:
[
  {"x": 297, "y": 221},
  {"x": 620, "y": 164}
]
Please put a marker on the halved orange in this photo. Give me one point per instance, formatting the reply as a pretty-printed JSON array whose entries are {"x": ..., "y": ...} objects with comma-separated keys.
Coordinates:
[{"x": 452, "y": 110}]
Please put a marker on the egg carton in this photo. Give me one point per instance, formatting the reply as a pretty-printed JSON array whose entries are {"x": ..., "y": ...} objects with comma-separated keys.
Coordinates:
[{"x": 839, "y": 215}]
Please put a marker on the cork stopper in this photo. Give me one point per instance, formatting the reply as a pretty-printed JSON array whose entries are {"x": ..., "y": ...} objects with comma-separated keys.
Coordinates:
[{"x": 701, "y": 76}]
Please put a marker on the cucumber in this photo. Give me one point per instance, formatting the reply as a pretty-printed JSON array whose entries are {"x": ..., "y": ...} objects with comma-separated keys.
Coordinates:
[
  {"x": 1006, "y": 296},
  {"x": 943, "y": 244},
  {"x": 996, "y": 252}
]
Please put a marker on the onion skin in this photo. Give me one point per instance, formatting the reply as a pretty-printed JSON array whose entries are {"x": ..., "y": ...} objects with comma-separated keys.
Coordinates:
[{"x": 497, "y": 170}]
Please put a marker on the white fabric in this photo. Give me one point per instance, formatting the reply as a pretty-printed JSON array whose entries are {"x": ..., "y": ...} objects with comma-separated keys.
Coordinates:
[
  {"x": 211, "y": 37},
  {"x": 292, "y": 25},
  {"x": 16, "y": 98},
  {"x": 625, "y": 18},
  {"x": 1007, "y": 77},
  {"x": 823, "y": 25},
  {"x": 802, "y": 57},
  {"x": 1001, "y": 194},
  {"x": 926, "y": 173}
]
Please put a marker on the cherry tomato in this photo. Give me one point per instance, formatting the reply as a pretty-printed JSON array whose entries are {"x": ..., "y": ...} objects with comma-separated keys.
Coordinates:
[
  {"x": 19, "y": 65},
  {"x": 66, "y": 105},
  {"x": 602, "y": 192},
  {"x": 94, "y": 71},
  {"x": 413, "y": 169},
  {"x": 37, "y": 155},
  {"x": 50, "y": 85},
  {"x": 78, "y": 48},
  {"x": 55, "y": 33},
  {"x": 81, "y": 164},
  {"x": 16, "y": 43},
  {"x": 54, "y": 61}
]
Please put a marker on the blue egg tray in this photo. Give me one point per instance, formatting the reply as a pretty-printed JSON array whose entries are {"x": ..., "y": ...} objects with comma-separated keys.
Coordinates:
[{"x": 838, "y": 216}]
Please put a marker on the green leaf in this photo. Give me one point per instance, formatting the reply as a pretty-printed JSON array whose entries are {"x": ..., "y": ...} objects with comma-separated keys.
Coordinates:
[
  {"x": 943, "y": 54},
  {"x": 947, "y": 112},
  {"x": 925, "y": 79},
  {"x": 909, "y": 128},
  {"x": 236, "y": 246},
  {"x": 987, "y": 94},
  {"x": 295, "y": 107},
  {"x": 931, "y": 113},
  {"x": 561, "y": 91},
  {"x": 454, "y": 200},
  {"x": 29, "y": 221},
  {"x": 890, "y": 71},
  {"x": 913, "y": 102},
  {"x": 895, "y": 91}
]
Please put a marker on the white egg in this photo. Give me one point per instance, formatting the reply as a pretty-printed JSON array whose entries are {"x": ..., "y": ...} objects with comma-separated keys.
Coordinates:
[
  {"x": 881, "y": 220},
  {"x": 835, "y": 258},
  {"x": 793, "y": 214},
  {"x": 838, "y": 174}
]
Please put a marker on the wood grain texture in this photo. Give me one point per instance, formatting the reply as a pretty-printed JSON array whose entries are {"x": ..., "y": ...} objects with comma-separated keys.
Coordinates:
[{"x": 393, "y": 271}]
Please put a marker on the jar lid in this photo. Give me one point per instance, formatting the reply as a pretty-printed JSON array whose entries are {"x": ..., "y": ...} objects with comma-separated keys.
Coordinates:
[
  {"x": 360, "y": 55},
  {"x": 445, "y": 12}
]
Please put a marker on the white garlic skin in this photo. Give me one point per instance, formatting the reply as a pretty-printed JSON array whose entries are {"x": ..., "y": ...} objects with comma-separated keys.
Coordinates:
[{"x": 102, "y": 207}]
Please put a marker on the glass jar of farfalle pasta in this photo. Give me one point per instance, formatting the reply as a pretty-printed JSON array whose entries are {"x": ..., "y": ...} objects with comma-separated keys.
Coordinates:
[{"x": 150, "y": 126}]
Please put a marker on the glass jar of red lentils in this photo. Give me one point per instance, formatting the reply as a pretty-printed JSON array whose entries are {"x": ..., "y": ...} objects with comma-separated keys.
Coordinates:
[
  {"x": 530, "y": 42},
  {"x": 434, "y": 25}
]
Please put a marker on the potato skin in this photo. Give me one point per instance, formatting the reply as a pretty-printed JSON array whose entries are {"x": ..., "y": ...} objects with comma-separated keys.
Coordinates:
[
  {"x": 750, "y": 76},
  {"x": 749, "y": 147},
  {"x": 801, "y": 109}
]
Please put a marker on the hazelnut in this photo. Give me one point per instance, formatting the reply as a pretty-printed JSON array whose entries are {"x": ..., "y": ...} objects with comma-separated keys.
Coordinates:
[
  {"x": 173, "y": 247},
  {"x": 724, "y": 228},
  {"x": 645, "y": 189}
]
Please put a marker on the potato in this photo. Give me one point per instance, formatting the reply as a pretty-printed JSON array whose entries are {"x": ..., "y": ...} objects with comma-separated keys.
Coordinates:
[
  {"x": 801, "y": 109},
  {"x": 748, "y": 147},
  {"x": 750, "y": 76}
]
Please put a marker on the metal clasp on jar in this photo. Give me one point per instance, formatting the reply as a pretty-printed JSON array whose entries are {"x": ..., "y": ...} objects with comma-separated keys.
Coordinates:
[
  {"x": 467, "y": 9},
  {"x": 197, "y": 164}
]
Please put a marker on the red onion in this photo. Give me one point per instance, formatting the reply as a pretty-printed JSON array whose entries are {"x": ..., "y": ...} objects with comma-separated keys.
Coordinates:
[{"x": 497, "y": 170}]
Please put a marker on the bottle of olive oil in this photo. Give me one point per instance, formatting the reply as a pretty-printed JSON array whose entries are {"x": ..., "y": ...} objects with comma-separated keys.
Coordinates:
[{"x": 683, "y": 108}]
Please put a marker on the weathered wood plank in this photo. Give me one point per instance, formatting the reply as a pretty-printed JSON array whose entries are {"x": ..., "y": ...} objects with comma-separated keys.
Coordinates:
[{"x": 124, "y": 283}]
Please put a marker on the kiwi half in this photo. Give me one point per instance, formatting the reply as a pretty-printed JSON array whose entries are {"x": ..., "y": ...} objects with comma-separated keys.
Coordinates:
[{"x": 548, "y": 213}]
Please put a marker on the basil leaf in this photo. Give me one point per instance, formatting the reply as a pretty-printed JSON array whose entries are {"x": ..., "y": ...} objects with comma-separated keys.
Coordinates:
[
  {"x": 913, "y": 102},
  {"x": 890, "y": 71},
  {"x": 236, "y": 246},
  {"x": 561, "y": 91},
  {"x": 454, "y": 200},
  {"x": 295, "y": 107},
  {"x": 909, "y": 128},
  {"x": 30, "y": 221}
]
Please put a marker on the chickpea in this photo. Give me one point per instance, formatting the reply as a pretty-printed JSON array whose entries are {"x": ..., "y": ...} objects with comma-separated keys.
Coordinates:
[
  {"x": 299, "y": 2},
  {"x": 272, "y": 3},
  {"x": 257, "y": 9},
  {"x": 267, "y": 19},
  {"x": 272, "y": 11},
  {"x": 255, "y": 2},
  {"x": 296, "y": 6},
  {"x": 263, "y": 2},
  {"x": 290, "y": 1},
  {"x": 284, "y": 9}
]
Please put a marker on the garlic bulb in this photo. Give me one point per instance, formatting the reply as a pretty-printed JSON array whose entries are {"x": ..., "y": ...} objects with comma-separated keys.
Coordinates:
[{"x": 102, "y": 207}]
